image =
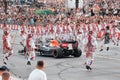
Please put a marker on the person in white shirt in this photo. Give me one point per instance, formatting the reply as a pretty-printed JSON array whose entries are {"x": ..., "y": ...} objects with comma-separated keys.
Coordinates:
[{"x": 38, "y": 73}]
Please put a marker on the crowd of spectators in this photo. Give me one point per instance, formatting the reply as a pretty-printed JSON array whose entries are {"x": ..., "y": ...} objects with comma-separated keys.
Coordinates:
[
  {"x": 19, "y": 13},
  {"x": 24, "y": 14}
]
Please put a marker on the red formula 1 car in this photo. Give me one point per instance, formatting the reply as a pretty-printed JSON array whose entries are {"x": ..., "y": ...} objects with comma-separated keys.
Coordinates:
[{"x": 59, "y": 49}]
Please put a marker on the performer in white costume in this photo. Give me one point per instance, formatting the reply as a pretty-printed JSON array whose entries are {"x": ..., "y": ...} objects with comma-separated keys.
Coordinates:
[
  {"x": 31, "y": 48},
  {"x": 7, "y": 47},
  {"x": 90, "y": 48}
]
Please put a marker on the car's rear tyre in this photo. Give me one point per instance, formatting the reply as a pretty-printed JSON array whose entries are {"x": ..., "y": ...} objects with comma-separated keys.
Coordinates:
[
  {"x": 77, "y": 53},
  {"x": 57, "y": 53}
]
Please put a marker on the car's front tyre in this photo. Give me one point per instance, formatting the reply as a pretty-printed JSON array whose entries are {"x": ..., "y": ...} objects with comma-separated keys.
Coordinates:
[{"x": 57, "y": 53}]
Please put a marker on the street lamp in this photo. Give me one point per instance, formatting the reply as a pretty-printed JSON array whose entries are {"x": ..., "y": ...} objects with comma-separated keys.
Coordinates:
[{"x": 77, "y": 2}]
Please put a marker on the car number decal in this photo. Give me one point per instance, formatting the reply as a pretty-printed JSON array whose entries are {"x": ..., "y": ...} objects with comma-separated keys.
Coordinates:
[{"x": 70, "y": 46}]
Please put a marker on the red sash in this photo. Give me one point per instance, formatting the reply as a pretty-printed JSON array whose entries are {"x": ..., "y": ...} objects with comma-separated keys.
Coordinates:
[
  {"x": 5, "y": 44},
  {"x": 29, "y": 47}
]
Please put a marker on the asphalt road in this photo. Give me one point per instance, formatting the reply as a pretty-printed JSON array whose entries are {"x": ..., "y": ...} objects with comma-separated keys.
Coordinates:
[{"x": 106, "y": 65}]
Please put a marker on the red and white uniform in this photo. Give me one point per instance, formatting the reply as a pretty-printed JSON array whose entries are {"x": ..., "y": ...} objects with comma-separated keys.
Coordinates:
[
  {"x": 6, "y": 43},
  {"x": 84, "y": 31},
  {"x": 100, "y": 34},
  {"x": 115, "y": 35},
  {"x": 79, "y": 35},
  {"x": 95, "y": 29},
  {"x": 34, "y": 33},
  {"x": 61, "y": 31},
  {"x": 89, "y": 27},
  {"x": 7, "y": 28},
  {"x": 58, "y": 32},
  {"x": 99, "y": 27},
  {"x": 7, "y": 47},
  {"x": 65, "y": 35},
  {"x": 90, "y": 45},
  {"x": 71, "y": 31},
  {"x": 47, "y": 32},
  {"x": 90, "y": 48},
  {"x": 24, "y": 36},
  {"x": 52, "y": 31},
  {"x": 30, "y": 46}
]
